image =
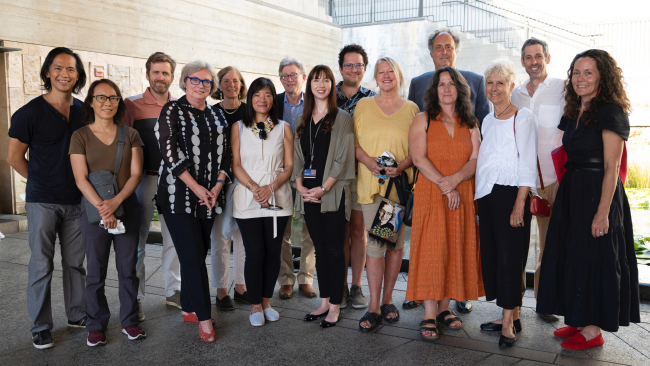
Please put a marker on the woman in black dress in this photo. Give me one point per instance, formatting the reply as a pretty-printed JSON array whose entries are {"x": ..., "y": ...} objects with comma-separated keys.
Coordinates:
[{"x": 589, "y": 272}]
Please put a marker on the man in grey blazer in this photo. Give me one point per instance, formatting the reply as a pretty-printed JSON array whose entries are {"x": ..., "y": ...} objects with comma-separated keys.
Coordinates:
[{"x": 443, "y": 47}]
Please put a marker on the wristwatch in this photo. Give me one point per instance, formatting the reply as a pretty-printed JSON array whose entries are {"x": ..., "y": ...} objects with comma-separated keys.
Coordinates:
[{"x": 323, "y": 188}]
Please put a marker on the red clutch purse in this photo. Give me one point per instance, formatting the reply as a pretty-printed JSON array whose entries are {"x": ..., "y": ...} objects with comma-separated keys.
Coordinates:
[
  {"x": 560, "y": 158},
  {"x": 538, "y": 205}
]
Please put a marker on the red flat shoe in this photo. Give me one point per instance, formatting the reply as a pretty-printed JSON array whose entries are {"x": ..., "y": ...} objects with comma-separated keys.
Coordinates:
[
  {"x": 566, "y": 332},
  {"x": 189, "y": 317},
  {"x": 193, "y": 318},
  {"x": 578, "y": 342},
  {"x": 207, "y": 337}
]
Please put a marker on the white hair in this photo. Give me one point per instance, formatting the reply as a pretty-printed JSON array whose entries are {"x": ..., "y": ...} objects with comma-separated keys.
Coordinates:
[
  {"x": 287, "y": 61},
  {"x": 503, "y": 68}
]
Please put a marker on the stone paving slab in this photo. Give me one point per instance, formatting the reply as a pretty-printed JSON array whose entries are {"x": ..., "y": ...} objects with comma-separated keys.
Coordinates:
[{"x": 291, "y": 341}]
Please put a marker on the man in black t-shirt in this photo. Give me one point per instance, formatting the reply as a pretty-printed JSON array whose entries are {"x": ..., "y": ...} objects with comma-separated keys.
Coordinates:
[{"x": 53, "y": 204}]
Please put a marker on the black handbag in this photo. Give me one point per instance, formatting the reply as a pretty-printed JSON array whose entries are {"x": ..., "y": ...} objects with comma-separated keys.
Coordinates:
[
  {"x": 105, "y": 184},
  {"x": 408, "y": 211}
]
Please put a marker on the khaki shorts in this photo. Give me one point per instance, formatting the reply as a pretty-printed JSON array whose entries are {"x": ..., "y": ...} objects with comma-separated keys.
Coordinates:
[
  {"x": 354, "y": 196},
  {"x": 374, "y": 248}
]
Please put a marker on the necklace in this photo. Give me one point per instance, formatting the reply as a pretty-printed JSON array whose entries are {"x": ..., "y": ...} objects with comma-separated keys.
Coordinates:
[
  {"x": 225, "y": 110},
  {"x": 497, "y": 115}
]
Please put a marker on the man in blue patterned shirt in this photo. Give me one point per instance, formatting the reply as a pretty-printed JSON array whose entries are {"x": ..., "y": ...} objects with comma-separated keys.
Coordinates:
[{"x": 352, "y": 65}]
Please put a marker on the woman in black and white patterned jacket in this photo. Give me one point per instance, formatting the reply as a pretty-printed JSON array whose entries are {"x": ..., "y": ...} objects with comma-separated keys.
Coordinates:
[{"x": 194, "y": 144}]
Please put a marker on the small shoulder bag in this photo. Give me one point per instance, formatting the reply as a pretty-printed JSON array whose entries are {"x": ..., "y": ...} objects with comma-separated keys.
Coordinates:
[
  {"x": 105, "y": 184},
  {"x": 538, "y": 205}
]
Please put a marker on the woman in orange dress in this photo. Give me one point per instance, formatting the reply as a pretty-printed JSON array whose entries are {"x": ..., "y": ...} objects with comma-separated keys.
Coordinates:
[{"x": 445, "y": 254}]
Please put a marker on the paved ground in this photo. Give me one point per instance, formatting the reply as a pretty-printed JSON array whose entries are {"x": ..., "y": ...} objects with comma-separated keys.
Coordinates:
[{"x": 289, "y": 341}]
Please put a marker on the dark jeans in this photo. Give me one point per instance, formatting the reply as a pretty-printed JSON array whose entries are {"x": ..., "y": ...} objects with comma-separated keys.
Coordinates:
[
  {"x": 504, "y": 249},
  {"x": 191, "y": 237},
  {"x": 97, "y": 241},
  {"x": 327, "y": 230},
  {"x": 263, "y": 255}
]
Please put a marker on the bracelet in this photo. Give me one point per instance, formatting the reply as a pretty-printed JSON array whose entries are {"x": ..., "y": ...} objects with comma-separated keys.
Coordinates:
[
  {"x": 221, "y": 181},
  {"x": 251, "y": 184},
  {"x": 323, "y": 188}
]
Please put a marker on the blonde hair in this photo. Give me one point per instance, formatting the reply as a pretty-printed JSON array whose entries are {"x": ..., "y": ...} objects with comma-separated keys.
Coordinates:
[
  {"x": 503, "y": 68},
  {"x": 397, "y": 69}
]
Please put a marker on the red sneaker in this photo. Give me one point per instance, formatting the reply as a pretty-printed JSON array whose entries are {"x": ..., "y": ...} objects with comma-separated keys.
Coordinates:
[
  {"x": 134, "y": 332},
  {"x": 566, "y": 332},
  {"x": 578, "y": 342},
  {"x": 96, "y": 338}
]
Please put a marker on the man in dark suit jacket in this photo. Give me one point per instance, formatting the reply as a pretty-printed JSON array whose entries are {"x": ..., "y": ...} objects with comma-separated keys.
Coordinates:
[{"x": 443, "y": 46}]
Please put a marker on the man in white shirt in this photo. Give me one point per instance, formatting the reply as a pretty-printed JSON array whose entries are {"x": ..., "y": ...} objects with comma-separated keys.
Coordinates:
[{"x": 543, "y": 95}]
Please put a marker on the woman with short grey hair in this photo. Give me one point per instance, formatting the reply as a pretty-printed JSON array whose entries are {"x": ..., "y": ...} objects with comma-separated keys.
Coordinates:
[
  {"x": 194, "y": 67},
  {"x": 194, "y": 141},
  {"x": 506, "y": 171}
]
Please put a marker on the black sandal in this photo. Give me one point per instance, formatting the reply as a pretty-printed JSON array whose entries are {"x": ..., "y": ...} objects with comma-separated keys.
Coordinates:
[
  {"x": 387, "y": 309},
  {"x": 447, "y": 322},
  {"x": 424, "y": 328},
  {"x": 373, "y": 318}
]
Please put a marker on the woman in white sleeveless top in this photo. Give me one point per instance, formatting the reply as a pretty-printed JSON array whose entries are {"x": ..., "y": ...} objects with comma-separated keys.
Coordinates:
[{"x": 262, "y": 200}]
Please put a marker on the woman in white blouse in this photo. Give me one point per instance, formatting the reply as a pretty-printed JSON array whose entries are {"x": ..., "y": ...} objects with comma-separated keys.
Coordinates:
[
  {"x": 262, "y": 200},
  {"x": 506, "y": 171}
]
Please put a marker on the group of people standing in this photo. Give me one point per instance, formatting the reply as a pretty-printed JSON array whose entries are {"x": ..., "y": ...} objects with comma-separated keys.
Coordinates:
[{"x": 239, "y": 170}]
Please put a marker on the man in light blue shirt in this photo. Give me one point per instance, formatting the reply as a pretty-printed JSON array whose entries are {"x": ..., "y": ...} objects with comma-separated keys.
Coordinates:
[{"x": 290, "y": 105}]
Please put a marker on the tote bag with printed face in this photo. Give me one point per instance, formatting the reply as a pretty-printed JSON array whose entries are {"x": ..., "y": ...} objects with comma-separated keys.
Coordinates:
[{"x": 388, "y": 220}]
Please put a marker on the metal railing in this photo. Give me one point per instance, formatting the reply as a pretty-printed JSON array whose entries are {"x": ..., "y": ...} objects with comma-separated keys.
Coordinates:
[{"x": 509, "y": 24}]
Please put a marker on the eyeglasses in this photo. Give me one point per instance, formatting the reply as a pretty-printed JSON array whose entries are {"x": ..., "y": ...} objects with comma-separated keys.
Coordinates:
[
  {"x": 102, "y": 99},
  {"x": 350, "y": 66},
  {"x": 262, "y": 128},
  {"x": 197, "y": 81},
  {"x": 292, "y": 76}
]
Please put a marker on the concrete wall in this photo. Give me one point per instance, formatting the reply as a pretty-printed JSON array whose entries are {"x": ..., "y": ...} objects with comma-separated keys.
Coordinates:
[{"x": 117, "y": 36}]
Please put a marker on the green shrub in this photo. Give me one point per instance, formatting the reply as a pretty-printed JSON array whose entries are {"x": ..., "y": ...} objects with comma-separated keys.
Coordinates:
[{"x": 642, "y": 249}]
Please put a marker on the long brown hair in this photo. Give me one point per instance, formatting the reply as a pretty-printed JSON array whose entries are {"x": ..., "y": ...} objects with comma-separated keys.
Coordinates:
[
  {"x": 463, "y": 106},
  {"x": 612, "y": 87},
  {"x": 310, "y": 102},
  {"x": 89, "y": 112}
]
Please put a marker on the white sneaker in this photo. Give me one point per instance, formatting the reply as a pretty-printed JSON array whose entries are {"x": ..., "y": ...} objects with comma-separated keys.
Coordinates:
[
  {"x": 257, "y": 319},
  {"x": 271, "y": 315}
]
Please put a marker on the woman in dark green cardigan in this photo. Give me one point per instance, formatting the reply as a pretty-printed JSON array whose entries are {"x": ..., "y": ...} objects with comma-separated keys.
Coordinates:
[{"x": 322, "y": 171}]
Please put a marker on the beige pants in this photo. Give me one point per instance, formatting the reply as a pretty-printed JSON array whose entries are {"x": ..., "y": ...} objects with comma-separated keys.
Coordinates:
[
  {"x": 374, "y": 248},
  {"x": 307, "y": 257},
  {"x": 542, "y": 223}
]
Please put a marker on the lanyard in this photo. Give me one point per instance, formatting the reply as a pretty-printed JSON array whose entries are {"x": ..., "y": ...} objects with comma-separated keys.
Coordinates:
[{"x": 311, "y": 146}]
